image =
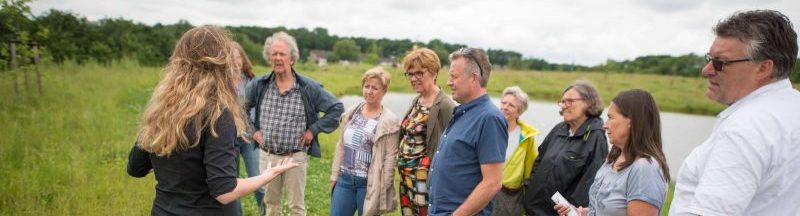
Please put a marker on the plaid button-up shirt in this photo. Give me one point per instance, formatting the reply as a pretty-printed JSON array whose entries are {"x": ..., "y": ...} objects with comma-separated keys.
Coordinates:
[{"x": 283, "y": 119}]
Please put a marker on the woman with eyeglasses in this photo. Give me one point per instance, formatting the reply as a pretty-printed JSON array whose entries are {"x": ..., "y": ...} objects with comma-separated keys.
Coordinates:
[
  {"x": 633, "y": 179},
  {"x": 570, "y": 154},
  {"x": 362, "y": 173},
  {"x": 430, "y": 112}
]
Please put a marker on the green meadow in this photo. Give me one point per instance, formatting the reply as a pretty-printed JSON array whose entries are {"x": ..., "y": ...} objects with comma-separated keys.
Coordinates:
[{"x": 65, "y": 152}]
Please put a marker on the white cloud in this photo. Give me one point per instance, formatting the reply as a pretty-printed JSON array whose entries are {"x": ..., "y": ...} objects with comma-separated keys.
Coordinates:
[
  {"x": 583, "y": 32},
  {"x": 670, "y": 6}
]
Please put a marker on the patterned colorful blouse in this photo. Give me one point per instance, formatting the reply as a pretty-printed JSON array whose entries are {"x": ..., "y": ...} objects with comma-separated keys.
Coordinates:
[{"x": 413, "y": 162}]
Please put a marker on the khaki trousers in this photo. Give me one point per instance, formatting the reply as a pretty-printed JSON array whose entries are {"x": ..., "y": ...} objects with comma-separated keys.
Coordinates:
[{"x": 293, "y": 181}]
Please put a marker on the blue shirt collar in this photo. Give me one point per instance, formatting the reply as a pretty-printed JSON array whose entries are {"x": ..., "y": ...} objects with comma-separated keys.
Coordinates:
[{"x": 469, "y": 105}]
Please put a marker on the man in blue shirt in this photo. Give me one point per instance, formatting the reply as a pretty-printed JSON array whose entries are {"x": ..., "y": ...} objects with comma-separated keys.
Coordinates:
[{"x": 467, "y": 168}]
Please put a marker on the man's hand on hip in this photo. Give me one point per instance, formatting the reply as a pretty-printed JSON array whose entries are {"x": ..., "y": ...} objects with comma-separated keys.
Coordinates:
[
  {"x": 306, "y": 138},
  {"x": 258, "y": 138}
]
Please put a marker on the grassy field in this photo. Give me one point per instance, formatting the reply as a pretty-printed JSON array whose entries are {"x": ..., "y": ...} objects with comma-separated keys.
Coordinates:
[{"x": 65, "y": 153}]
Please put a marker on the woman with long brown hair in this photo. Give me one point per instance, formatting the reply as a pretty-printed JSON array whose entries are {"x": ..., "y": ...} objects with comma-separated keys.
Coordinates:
[
  {"x": 189, "y": 127},
  {"x": 248, "y": 149},
  {"x": 633, "y": 179}
]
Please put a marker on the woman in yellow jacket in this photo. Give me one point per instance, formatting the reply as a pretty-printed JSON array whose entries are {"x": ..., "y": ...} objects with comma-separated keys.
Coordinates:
[{"x": 520, "y": 153}]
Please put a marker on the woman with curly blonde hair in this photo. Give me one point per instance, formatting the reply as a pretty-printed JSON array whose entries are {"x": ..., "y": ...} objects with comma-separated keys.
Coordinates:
[{"x": 189, "y": 127}]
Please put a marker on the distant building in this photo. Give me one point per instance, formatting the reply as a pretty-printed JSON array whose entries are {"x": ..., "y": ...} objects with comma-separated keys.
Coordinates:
[
  {"x": 319, "y": 57},
  {"x": 389, "y": 62}
]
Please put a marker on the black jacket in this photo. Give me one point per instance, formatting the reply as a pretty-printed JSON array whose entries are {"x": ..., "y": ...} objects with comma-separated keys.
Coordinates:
[{"x": 566, "y": 164}]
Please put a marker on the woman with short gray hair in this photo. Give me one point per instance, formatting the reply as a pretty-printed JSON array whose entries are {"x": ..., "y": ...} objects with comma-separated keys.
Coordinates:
[
  {"x": 521, "y": 152},
  {"x": 571, "y": 153}
]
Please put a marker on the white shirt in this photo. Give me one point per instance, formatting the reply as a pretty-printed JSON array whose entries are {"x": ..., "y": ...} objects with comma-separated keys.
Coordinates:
[
  {"x": 750, "y": 165},
  {"x": 513, "y": 141}
]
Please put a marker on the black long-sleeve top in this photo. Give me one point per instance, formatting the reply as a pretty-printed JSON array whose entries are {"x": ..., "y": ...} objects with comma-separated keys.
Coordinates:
[{"x": 189, "y": 180}]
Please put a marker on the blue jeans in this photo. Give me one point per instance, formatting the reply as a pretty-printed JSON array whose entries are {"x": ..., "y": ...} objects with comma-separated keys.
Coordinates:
[
  {"x": 348, "y": 195},
  {"x": 250, "y": 153}
]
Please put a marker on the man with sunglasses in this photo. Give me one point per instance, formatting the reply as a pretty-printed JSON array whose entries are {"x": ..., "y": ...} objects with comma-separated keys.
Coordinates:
[
  {"x": 467, "y": 167},
  {"x": 750, "y": 164}
]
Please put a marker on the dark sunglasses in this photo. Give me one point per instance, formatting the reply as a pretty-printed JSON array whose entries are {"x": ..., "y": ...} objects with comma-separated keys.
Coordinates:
[
  {"x": 468, "y": 52},
  {"x": 719, "y": 63}
]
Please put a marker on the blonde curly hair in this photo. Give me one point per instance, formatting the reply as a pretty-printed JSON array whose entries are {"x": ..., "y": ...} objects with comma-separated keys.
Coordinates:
[{"x": 198, "y": 85}]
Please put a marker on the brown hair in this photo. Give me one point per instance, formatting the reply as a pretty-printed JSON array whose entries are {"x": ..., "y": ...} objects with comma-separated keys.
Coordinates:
[
  {"x": 590, "y": 95},
  {"x": 645, "y": 135},
  {"x": 247, "y": 66}
]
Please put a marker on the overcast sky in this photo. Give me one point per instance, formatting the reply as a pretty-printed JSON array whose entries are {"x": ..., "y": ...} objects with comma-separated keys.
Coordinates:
[{"x": 561, "y": 31}]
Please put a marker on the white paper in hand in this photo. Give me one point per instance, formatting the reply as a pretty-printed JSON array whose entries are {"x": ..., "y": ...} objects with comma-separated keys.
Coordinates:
[{"x": 559, "y": 199}]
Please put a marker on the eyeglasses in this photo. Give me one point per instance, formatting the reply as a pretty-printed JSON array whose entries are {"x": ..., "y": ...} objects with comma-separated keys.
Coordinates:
[
  {"x": 468, "y": 53},
  {"x": 417, "y": 74},
  {"x": 717, "y": 63},
  {"x": 568, "y": 101}
]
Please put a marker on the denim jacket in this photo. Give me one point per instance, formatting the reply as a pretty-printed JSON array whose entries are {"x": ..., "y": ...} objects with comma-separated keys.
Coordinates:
[{"x": 315, "y": 100}]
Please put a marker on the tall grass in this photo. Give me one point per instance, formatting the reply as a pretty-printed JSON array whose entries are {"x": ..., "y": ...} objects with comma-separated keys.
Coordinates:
[{"x": 64, "y": 153}]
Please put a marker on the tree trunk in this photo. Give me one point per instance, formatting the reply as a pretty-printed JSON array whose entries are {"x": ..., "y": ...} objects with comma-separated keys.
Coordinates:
[
  {"x": 25, "y": 74},
  {"x": 13, "y": 51},
  {"x": 27, "y": 87},
  {"x": 36, "y": 63}
]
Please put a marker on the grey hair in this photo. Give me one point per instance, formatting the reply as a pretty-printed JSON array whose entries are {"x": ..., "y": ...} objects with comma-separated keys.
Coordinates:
[
  {"x": 286, "y": 38},
  {"x": 472, "y": 55},
  {"x": 590, "y": 95},
  {"x": 768, "y": 35},
  {"x": 520, "y": 96}
]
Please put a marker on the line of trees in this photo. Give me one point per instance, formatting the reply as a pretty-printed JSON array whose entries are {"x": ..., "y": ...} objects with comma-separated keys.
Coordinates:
[
  {"x": 66, "y": 36},
  {"x": 685, "y": 65}
]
